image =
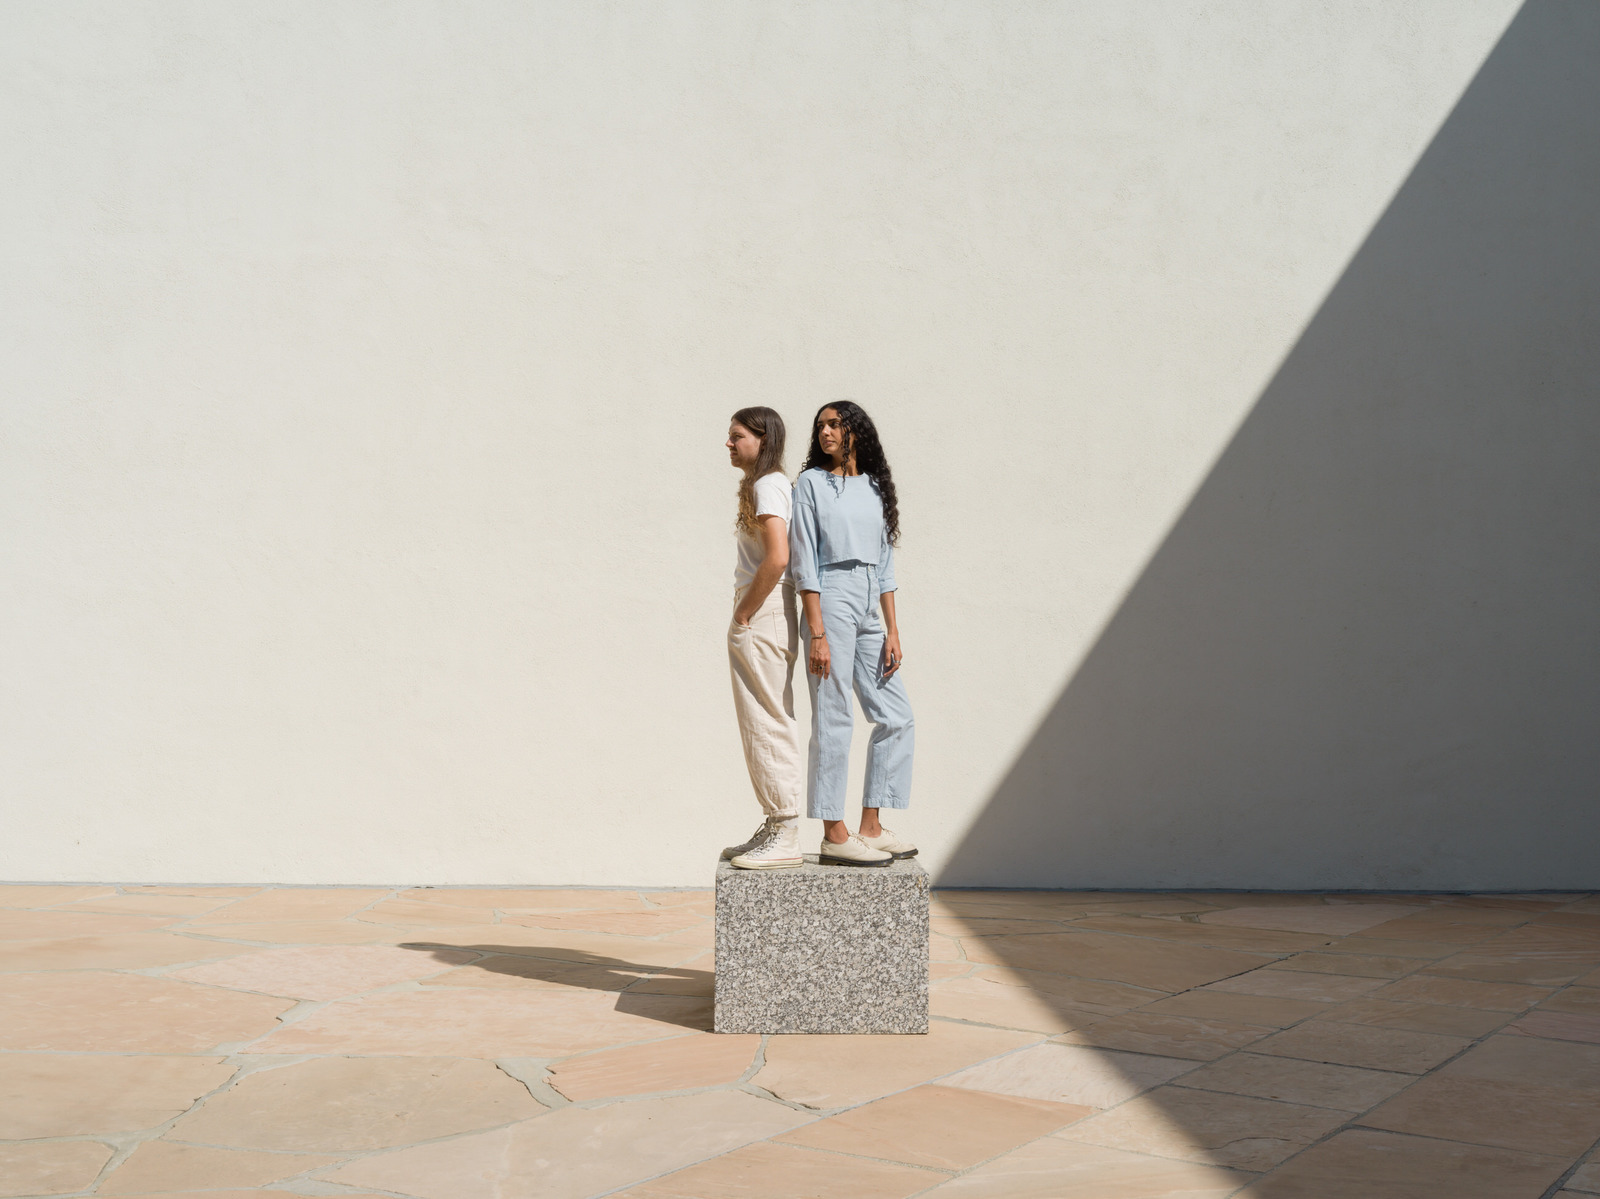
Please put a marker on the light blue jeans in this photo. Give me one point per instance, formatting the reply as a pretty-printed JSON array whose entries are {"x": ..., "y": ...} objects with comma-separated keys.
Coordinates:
[{"x": 855, "y": 631}]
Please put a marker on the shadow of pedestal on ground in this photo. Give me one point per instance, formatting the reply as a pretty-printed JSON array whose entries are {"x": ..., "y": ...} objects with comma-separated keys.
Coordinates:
[{"x": 822, "y": 949}]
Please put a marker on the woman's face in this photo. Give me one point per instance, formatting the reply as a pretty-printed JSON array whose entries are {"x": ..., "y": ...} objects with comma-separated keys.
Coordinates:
[
  {"x": 831, "y": 435},
  {"x": 744, "y": 447}
]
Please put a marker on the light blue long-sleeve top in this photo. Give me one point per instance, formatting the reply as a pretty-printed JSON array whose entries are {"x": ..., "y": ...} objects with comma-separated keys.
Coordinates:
[{"x": 837, "y": 518}]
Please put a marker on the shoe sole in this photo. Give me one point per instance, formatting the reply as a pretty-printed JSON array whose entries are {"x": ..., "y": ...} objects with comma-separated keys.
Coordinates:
[
  {"x": 828, "y": 860},
  {"x": 779, "y": 865},
  {"x": 910, "y": 853}
]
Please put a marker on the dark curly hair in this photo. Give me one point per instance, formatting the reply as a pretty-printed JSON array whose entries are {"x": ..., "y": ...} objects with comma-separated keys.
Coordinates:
[{"x": 861, "y": 439}]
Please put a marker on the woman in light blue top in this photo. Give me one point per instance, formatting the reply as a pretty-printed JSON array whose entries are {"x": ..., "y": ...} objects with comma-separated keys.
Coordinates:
[{"x": 841, "y": 552}]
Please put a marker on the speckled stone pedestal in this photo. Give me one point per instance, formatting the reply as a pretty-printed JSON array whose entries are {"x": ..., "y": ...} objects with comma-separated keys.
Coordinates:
[{"x": 822, "y": 949}]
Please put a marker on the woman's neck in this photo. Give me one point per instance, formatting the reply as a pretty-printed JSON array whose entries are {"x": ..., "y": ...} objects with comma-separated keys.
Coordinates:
[{"x": 846, "y": 469}]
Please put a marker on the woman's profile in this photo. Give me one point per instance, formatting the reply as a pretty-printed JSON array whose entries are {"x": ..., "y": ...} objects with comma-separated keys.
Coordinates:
[
  {"x": 845, "y": 525},
  {"x": 763, "y": 640}
]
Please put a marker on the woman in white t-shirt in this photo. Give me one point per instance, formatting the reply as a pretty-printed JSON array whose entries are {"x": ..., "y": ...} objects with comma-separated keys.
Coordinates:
[{"x": 764, "y": 641}]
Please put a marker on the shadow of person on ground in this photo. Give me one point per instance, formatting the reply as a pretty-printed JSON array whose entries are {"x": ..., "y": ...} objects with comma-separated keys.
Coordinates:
[{"x": 671, "y": 994}]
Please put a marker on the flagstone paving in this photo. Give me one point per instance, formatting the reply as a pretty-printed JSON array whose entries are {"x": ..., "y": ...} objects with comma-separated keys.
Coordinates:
[{"x": 473, "y": 1043}]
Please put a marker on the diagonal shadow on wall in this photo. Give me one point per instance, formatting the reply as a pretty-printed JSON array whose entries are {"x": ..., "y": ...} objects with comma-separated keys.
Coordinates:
[{"x": 1367, "y": 655}]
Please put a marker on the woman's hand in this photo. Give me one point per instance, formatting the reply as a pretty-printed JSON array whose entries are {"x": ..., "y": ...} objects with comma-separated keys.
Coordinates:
[
  {"x": 891, "y": 653},
  {"x": 818, "y": 661}
]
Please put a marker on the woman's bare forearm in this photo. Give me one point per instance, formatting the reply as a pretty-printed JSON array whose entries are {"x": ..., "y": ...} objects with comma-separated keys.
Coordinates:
[{"x": 811, "y": 601}]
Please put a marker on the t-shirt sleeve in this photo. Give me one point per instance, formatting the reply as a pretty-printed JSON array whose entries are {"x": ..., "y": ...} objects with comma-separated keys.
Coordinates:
[{"x": 773, "y": 496}]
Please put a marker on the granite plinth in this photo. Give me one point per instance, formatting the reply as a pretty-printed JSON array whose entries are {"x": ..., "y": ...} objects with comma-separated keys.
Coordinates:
[{"x": 822, "y": 949}]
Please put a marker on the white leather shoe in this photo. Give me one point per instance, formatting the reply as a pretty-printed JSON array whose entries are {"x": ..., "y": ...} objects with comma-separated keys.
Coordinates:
[
  {"x": 780, "y": 849},
  {"x": 854, "y": 852},
  {"x": 895, "y": 847},
  {"x": 756, "y": 838}
]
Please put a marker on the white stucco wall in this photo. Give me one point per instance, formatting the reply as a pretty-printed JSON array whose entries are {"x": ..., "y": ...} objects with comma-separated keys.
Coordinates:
[{"x": 365, "y": 512}]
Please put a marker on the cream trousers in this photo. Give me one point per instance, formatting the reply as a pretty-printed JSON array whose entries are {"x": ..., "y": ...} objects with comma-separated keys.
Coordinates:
[{"x": 761, "y": 656}]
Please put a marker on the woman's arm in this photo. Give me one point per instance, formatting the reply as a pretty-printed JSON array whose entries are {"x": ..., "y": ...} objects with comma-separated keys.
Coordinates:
[
  {"x": 891, "y": 635},
  {"x": 818, "y": 661},
  {"x": 774, "y": 561}
]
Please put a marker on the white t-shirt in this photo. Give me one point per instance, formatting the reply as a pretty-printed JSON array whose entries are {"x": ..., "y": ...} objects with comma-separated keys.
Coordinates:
[{"x": 773, "y": 498}]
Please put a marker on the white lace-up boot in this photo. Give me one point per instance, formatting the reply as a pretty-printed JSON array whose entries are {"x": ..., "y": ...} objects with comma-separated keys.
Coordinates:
[
  {"x": 780, "y": 848},
  {"x": 895, "y": 847},
  {"x": 756, "y": 838},
  {"x": 852, "y": 852}
]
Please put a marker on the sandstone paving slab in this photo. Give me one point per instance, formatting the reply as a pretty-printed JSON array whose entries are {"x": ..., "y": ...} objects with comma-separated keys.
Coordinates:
[
  {"x": 775, "y": 1171},
  {"x": 1215, "y": 936},
  {"x": 1074, "y": 1074},
  {"x": 1418, "y": 1017},
  {"x": 1088, "y": 994},
  {"x": 251, "y": 1193},
  {"x": 941, "y": 971},
  {"x": 51, "y": 1168},
  {"x": 1460, "y": 992},
  {"x": 941, "y": 1128},
  {"x": 1448, "y": 925},
  {"x": 1484, "y": 910},
  {"x": 1559, "y": 1026},
  {"x": 1573, "y": 919},
  {"x": 842, "y": 1071},
  {"x": 45, "y": 895},
  {"x": 531, "y": 899},
  {"x": 147, "y": 904},
  {"x": 1298, "y": 984},
  {"x": 663, "y": 921},
  {"x": 1168, "y": 1035},
  {"x": 344, "y": 1105},
  {"x": 1053, "y": 1168},
  {"x": 412, "y": 913},
  {"x": 16, "y": 925},
  {"x": 703, "y": 896},
  {"x": 1266, "y": 1010},
  {"x": 1292, "y": 1080},
  {"x": 293, "y": 904},
  {"x": 88, "y": 1011},
  {"x": 681, "y": 1064},
  {"x": 1584, "y": 1001},
  {"x": 1141, "y": 962},
  {"x": 229, "y": 892},
  {"x": 476, "y": 1022},
  {"x": 1238, "y": 1131},
  {"x": 1559, "y": 1121},
  {"x": 1394, "y": 947},
  {"x": 1373, "y": 1047},
  {"x": 1362, "y": 1164},
  {"x": 576, "y": 1152},
  {"x": 1537, "y": 957},
  {"x": 70, "y": 1095},
  {"x": 991, "y": 926},
  {"x": 122, "y": 951},
  {"x": 1355, "y": 965},
  {"x": 1338, "y": 920},
  {"x": 942, "y": 948},
  {"x": 322, "y": 972},
  {"x": 301, "y": 932},
  {"x": 163, "y": 1166},
  {"x": 1531, "y": 1060},
  {"x": 1586, "y": 1179},
  {"x": 982, "y": 1001}
]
